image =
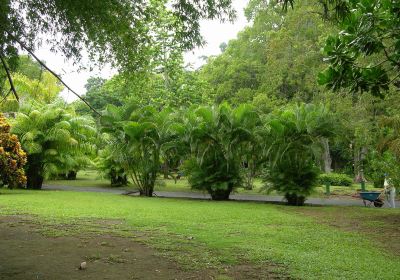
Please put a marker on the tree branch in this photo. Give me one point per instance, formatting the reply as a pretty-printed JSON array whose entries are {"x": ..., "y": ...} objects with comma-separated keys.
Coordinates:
[
  {"x": 5, "y": 96},
  {"x": 392, "y": 80},
  {"x": 389, "y": 58},
  {"x": 9, "y": 77},
  {"x": 51, "y": 71}
]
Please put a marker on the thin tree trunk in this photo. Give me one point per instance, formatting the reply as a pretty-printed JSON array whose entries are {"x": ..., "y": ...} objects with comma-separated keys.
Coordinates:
[
  {"x": 165, "y": 169},
  {"x": 71, "y": 175},
  {"x": 326, "y": 156},
  {"x": 359, "y": 156}
]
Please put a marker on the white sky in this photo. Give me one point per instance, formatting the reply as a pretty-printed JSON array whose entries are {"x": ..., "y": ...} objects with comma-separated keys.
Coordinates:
[{"x": 214, "y": 33}]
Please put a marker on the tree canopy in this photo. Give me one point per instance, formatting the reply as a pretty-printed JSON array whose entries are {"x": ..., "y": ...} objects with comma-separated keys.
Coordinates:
[
  {"x": 124, "y": 33},
  {"x": 267, "y": 61}
]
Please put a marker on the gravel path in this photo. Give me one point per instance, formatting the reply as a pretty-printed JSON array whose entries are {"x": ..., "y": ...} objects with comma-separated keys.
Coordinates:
[{"x": 192, "y": 195}]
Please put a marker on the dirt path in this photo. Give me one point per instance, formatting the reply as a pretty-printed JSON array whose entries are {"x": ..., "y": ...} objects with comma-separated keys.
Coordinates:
[
  {"x": 25, "y": 254},
  {"x": 238, "y": 197}
]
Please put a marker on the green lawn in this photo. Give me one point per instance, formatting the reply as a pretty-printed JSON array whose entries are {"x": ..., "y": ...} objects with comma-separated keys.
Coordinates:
[
  {"x": 85, "y": 178},
  {"x": 206, "y": 233},
  {"x": 90, "y": 178}
]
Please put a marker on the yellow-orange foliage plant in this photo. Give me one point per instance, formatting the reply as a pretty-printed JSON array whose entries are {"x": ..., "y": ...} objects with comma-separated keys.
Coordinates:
[{"x": 12, "y": 157}]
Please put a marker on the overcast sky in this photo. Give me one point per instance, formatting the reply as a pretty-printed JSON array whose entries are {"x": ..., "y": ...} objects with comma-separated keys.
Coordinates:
[{"x": 214, "y": 33}]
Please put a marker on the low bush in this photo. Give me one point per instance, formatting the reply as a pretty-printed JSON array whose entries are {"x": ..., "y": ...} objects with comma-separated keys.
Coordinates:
[
  {"x": 12, "y": 157},
  {"x": 335, "y": 179}
]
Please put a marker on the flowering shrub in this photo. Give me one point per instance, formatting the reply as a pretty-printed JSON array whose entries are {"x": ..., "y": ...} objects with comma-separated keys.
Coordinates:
[{"x": 12, "y": 157}]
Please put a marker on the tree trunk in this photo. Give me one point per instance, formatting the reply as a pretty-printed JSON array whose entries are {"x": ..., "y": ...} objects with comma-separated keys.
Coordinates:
[
  {"x": 294, "y": 199},
  {"x": 113, "y": 177},
  {"x": 326, "y": 156},
  {"x": 117, "y": 180},
  {"x": 34, "y": 177},
  {"x": 221, "y": 194},
  {"x": 250, "y": 173},
  {"x": 147, "y": 191},
  {"x": 359, "y": 157},
  {"x": 71, "y": 175},
  {"x": 165, "y": 169}
]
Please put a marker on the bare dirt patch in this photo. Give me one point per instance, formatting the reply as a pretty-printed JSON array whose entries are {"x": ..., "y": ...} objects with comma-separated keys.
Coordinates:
[
  {"x": 383, "y": 229},
  {"x": 27, "y": 253}
]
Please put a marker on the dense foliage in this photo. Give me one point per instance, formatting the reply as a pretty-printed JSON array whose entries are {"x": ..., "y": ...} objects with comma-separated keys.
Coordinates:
[
  {"x": 110, "y": 168},
  {"x": 217, "y": 137},
  {"x": 124, "y": 32},
  {"x": 138, "y": 137},
  {"x": 55, "y": 139},
  {"x": 293, "y": 146},
  {"x": 368, "y": 30},
  {"x": 335, "y": 179},
  {"x": 32, "y": 83},
  {"x": 12, "y": 157},
  {"x": 267, "y": 64}
]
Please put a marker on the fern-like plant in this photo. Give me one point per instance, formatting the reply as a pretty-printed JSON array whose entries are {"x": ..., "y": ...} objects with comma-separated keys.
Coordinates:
[
  {"x": 55, "y": 139},
  {"x": 291, "y": 149},
  {"x": 138, "y": 137},
  {"x": 218, "y": 138}
]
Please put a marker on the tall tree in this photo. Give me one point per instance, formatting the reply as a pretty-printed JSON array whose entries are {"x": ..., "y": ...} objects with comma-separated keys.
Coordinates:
[
  {"x": 268, "y": 60},
  {"x": 365, "y": 54},
  {"x": 122, "y": 32}
]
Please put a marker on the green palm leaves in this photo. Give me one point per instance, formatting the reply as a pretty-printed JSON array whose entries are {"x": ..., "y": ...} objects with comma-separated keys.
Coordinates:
[
  {"x": 219, "y": 146},
  {"x": 139, "y": 139},
  {"x": 295, "y": 137},
  {"x": 55, "y": 139},
  {"x": 216, "y": 137}
]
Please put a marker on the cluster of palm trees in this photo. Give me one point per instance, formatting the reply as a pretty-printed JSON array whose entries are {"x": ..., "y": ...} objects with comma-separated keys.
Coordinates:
[{"x": 218, "y": 147}]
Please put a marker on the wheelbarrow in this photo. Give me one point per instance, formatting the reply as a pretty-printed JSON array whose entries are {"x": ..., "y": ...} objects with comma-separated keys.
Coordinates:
[{"x": 372, "y": 198}]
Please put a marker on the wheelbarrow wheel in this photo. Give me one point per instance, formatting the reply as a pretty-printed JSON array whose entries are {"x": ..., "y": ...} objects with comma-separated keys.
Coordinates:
[{"x": 378, "y": 203}]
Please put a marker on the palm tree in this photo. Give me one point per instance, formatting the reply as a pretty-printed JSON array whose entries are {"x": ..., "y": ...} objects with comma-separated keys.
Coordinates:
[
  {"x": 139, "y": 138},
  {"x": 54, "y": 138},
  {"x": 110, "y": 167},
  {"x": 217, "y": 137},
  {"x": 292, "y": 147}
]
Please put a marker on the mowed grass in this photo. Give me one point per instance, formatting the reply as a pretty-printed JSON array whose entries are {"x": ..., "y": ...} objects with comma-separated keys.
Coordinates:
[
  {"x": 85, "y": 178},
  {"x": 207, "y": 233},
  {"x": 91, "y": 178}
]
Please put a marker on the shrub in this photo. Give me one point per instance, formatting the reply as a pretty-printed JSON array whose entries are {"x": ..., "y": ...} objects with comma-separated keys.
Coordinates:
[
  {"x": 112, "y": 170},
  {"x": 292, "y": 145},
  {"x": 137, "y": 138},
  {"x": 12, "y": 157},
  {"x": 380, "y": 163},
  {"x": 335, "y": 179},
  {"x": 295, "y": 179},
  {"x": 217, "y": 137}
]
